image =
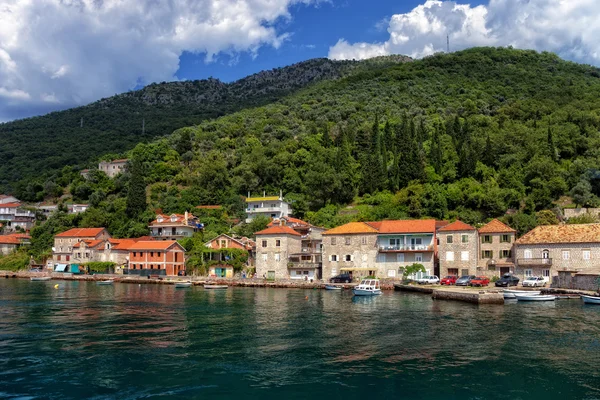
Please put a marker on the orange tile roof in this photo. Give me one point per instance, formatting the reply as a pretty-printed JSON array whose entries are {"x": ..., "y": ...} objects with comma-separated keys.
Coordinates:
[
  {"x": 19, "y": 235},
  {"x": 278, "y": 230},
  {"x": 89, "y": 243},
  {"x": 288, "y": 221},
  {"x": 5, "y": 239},
  {"x": 496, "y": 226},
  {"x": 546, "y": 234},
  {"x": 154, "y": 245},
  {"x": 407, "y": 226},
  {"x": 351, "y": 228},
  {"x": 81, "y": 232},
  {"x": 123, "y": 244},
  {"x": 10, "y": 205},
  {"x": 179, "y": 219},
  {"x": 456, "y": 226}
]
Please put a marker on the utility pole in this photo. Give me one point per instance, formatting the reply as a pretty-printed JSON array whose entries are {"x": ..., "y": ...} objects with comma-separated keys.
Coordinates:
[{"x": 448, "y": 43}]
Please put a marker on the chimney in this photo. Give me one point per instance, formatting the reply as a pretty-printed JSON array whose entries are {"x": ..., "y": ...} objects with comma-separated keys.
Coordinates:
[
  {"x": 264, "y": 194},
  {"x": 248, "y": 194},
  {"x": 186, "y": 217},
  {"x": 280, "y": 194}
]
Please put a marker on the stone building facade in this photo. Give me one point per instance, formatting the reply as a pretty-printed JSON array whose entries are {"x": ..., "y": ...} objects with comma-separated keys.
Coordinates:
[
  {"x": 273, "y": 247},
  {"x": 113, "y": 168},
  {"x": 64, "y": 242},
  {"x": 458, "y": 249},
  {"x": 496, "y": 241}
]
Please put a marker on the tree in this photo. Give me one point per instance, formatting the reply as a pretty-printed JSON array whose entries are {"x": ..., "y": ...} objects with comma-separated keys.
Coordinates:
[
  {"x": 551, "y": 147},
  {"x": 136, "y": 193},
  {"x": 546, "y": 217},
  {"x": 582, "y": 193},
  {"x": 435, "y": 151},
  {"x": 411, "y": 270}
]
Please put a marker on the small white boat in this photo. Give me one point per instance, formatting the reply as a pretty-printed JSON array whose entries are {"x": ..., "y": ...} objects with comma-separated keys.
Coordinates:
[
  {"x": 539, "y": 297},
  {"x": 215, "y": 286},
  {"x": 590, "y": 299},
  {"x": 183, "y": 284},
  {"x": 106, "y": 282},
  {"x": 510, "y": 294},
  {"x": 40, "y": 278},
  {"x": 331, "y": 287},
  {"x": 368, "y": 287}
]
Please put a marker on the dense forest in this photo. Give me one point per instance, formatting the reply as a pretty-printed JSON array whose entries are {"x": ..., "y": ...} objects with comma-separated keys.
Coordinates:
[
  {"x": 468, "y": 135},
  {"x": 34, "y": 150}
]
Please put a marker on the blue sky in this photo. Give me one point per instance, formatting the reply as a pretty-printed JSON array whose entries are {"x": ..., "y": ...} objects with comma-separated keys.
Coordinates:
[{"x": 56, "y": 54}]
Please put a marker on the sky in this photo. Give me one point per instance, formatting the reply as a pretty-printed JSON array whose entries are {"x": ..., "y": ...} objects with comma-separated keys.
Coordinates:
[{"x": 57, "y": 54}]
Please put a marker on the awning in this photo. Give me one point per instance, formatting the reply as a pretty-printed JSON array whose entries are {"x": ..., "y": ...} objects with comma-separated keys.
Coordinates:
[
  {"x": 75, "y": 268},
  {"x": 358, "y": 269},
  {"x": 61, "y": 268}
]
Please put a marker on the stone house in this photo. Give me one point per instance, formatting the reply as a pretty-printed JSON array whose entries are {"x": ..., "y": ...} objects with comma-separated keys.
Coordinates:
[
  {"x": 496, "y": 241},
  {"x": 164, "y": 257},
  {"x": 223, "y": 241},
  {"x": 458, "y": 249},
  {"x": 548, "y": 249},
  {"x": 113, "y": 168},
  {"x": 9, "y": 244},
  {"x": 65, "y": 242},
  {"x": 273, "y": 248}
]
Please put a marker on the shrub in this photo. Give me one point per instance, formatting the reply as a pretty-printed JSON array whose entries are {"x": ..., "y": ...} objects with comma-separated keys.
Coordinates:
[{"x": 494, "y": 278}]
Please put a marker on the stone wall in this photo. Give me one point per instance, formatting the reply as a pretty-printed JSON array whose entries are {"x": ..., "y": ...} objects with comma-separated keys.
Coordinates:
[
  {"x": 456, "y": 248},
  {"x": 361, "y": 249},
  {"x": 570, "y": 280},
  {"x": 576, "y": 212},
  {"x": 273, "y": 257}
]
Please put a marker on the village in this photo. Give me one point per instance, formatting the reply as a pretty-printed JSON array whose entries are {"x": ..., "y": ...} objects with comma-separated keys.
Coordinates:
[{"x": 290, "y": 249}]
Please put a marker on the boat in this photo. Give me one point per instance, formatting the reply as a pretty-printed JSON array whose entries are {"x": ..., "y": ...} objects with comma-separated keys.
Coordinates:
[
  {"x": 539, "y": 297},
  {"x": 590, "y": 299},
  {"x": 40, "y": 278},
  {"x": 331, "y": 287},
  {"x": 368, "y": 287},
  {"x": 106, "y": 282},
  {"x": 183, "y": 284},
  {"x": 215, "y": 286},
  {"x": 510, "y": 294}
]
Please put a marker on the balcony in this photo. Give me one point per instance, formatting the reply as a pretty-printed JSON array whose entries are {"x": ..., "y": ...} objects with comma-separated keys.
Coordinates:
[
  {"x": 303, "y": 264},
  {"x": 534, "y": 261},
  {"x": 405, "y": 247},
  {"x": 167, "y": 234},
  {"x": 263, "y": 209}
]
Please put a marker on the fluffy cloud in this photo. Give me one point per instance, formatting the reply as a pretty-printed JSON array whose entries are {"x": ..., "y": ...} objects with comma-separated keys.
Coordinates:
[
  {"x": 60, "y": 53},
  {"x": 567, "y": 27}
]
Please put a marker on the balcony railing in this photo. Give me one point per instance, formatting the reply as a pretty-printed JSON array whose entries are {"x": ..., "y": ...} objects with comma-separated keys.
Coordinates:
[
  {"x": 303, "y": 264},
  {"x": 263, "y": 209},
  {"x": 170, "y": 234},
  {"x": 534, "y": 261},
  {"x": 406, "y": 247}
]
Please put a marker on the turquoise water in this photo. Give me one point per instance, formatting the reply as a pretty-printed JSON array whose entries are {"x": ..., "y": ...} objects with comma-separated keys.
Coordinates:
[{"x": 132, "y": 342}]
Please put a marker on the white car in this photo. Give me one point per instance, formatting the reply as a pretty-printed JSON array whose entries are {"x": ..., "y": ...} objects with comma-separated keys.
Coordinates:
[
  {"x": 429, "y": 279},
  {"x": 534, "y": 281}
]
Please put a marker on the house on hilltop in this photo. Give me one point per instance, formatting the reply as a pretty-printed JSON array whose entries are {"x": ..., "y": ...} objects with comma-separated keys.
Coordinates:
[
  {"x": 174, "y": 226},
  {"x": 113, "y": 168},
  {"x": 268, "y": 206}
]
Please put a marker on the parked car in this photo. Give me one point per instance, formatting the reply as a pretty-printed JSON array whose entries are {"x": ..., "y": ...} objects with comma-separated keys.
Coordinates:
[
  {"x": 480, "y": 281},
  {"x": 534, "y": 281},
  {"x": 464, "y": 280},
  {"x": 341, "y": 278},
  {"x": 429, "y": 279},
  {"x": 449, "y": 280},
  {"x": 507, "y": 280}
]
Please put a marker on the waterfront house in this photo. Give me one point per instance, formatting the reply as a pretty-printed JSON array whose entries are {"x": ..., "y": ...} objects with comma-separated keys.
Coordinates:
[
  {"x": 174, "y": 226},
  {"x": 223, "y": 241},
  {"x": 62, "y": 251},
  {"x": 496, "y": 241},
  {"x": 163, "y": 257},
  {"x": 113, "y": 168},
  {"x": 273, "y": 247},
  {"x": 547, "y": 249},
  {"x": 458, "y": 249},
  {"x": 268, "y": 206}
]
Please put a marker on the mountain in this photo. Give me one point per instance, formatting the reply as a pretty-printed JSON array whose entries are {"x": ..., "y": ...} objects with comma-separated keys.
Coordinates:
[{"x": 35, "y": 149}]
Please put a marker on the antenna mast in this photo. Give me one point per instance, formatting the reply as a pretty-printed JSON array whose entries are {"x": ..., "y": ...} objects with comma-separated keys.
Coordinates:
[{"x": 448, "y": 43}]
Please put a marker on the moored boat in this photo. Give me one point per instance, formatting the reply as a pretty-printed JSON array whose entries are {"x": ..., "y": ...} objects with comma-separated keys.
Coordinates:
[
  {"x": 590, "y": 299},
  {"x": 183, "y": 284},
  {"x": 106, "y": 282},
  {"x": 331, "y": 287},
  {"x": 539, "y": 297},
  {"x": 510, "y": 294},
  {"x": 40, "y": 278},
  {"x": 215, "y": 286},
  {"x": 368, "y": 287}
]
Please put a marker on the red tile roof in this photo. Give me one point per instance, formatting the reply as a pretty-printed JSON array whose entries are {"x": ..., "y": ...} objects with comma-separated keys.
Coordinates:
[
  {"x": 88, "y": 243},
  {"x": 456, "y": 226},
  {"x": 495, "y": 226},
  {"x": 278, "y": 230},
  {"x": 547, "y": 234},
  {"x": 10, "y": 205},
  {"x": 408, "y": 226},
  {"x": 288, "y": 221},
  {"x": 154, "y": 245},
  {"x": 352, "y": 228},
  {"x": 20, "y": 235},
  {"x": 81, "y": 232},
  {"x": 5, "y": 239},
  {"x": 179, "y": 219}
]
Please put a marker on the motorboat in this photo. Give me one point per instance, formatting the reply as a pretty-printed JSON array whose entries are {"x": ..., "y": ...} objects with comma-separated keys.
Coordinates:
[
  {"x": 106, "y": 282},
  {"x": 215, "y": 286},
  {"x": 590, "y": 299},
  {"x": 40, "y": 278},
  {"x": 332, "y": 287},
  {"x": 510, "y": 294},
  {"x": 367, "y": 287},
  {"x": 183, "y": 284},
  {"x": 539, "y": 297}
]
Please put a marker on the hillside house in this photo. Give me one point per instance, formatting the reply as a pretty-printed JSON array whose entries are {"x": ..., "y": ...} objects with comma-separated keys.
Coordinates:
[
  {"x": 174, "y": 226},
  {"x": 11, "y": 243},
  {"x": 16, "y": 217},
  {"x": 113, "y": 168},
  {"x": 268, "y": 206},
  {"x": 5, "y": 198},
  {"x": 224, "y": 241}
]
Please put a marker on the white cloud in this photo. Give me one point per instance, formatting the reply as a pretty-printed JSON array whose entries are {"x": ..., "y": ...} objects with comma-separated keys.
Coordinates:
[
  {"x": 567, "y": 27},
  {"x": 72, "y": 52}
]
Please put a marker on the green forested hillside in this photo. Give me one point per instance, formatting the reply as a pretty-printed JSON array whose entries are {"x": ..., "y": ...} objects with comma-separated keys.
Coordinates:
[
  {"x": 470, "y": 134},
  {"x": 34, "y": 150}
]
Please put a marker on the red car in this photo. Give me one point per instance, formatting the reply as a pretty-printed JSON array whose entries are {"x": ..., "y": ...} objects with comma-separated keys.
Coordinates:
[
  {"x": 480, "y": 281},
  {"x": 449, "y": 280}
]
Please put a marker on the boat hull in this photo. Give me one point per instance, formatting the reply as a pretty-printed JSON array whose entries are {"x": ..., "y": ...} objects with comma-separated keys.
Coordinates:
[
  {"x": 104, "y": 283},
  {"x": 590, "y": 299},
  {"x": 40, "y": 278},
  {"x": 215, "y": 286},
  {"x": 328, "y": 287},
  {"x": 510, "y": 294},
  {"x": 183, "y": 285},
  {"x": 523, "y": 297},
  {"x": 364, "y": 292}
]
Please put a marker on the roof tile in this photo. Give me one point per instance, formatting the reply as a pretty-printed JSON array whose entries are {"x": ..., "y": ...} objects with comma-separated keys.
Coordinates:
[
  {"x": 278, "y": 230},
  {"x": 496, "y": 226},
  {"x": 544, "y": 234},
  {"x": 351, "y": 228},
  {"x": 81, "y": 232},
  {"x": 457, "y": 226}
]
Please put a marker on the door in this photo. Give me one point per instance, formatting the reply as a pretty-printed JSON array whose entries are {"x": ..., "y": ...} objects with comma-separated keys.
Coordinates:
[
  {"x": 218, "y": 272},
  {"x": 271, "y": 275},
  {"x": 504, "y": 270}
]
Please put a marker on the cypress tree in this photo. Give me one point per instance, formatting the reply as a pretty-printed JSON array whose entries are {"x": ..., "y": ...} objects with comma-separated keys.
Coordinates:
[
  {"x": 551, "y": 147},
  {"x": 488, "y": 155},
  {"x": 136, "y": 194},
  {"x": 435, "y": 152}
]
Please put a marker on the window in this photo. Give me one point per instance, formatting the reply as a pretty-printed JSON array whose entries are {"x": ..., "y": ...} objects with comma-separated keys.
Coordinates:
[
  {"x": 505, "y": 239},
  {"x": 449, "y": 239},
  {"x": 364, "y": 257},
  {"x": 465, "y": 238},
  {"x": 586, "y": 254},
  {"x": 566, "y": 255},
  {"x": 347, "y": 241},
  {"x": 134, "y": 253},
  {"x": 333, "y": 241},
  {"x": 486, "y": 239},
  {"x": 418, "y": 257},
  {"x": 277, "y": 257},
  {"x": 449, "y": 256},
  {"x": 487, "y": 254},
  {"x": 417, "y": 241},
  {"x": 464, "y": 256},
  {"x": 545, "y": 254},
  {"x": 222, "y": 243},
  {"x": 391, "y": 273},
  {"x": 175, "y": 255},
  {"x": 305, "y": 272},
  {"x": 151, "y": 254},
  {"x": 348, "y": 257},
  {"x": 264, "y": 243},
  {"x": 528, "y": 272},
  {"x": 87, "y": 255},
  {"x": 333, "y": 257},
  {"x": 505, "y": 254},
  {"x": 264, "y": 257},
  {"x": 277, "y": 243},
  {"x": 546, "y": 273},
  {"x": 527, "y": 254},
  {"x": 298, "y": 272},
  {"x": 78, "y": 255},
  {"x": 399, "y": 257},
  {"x": 363, "y": 240}
]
